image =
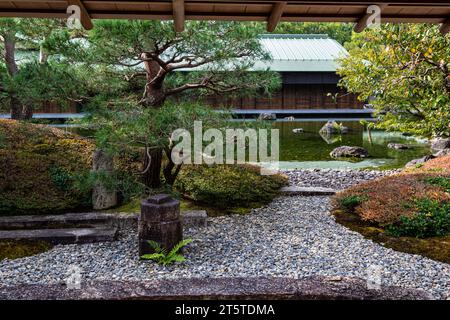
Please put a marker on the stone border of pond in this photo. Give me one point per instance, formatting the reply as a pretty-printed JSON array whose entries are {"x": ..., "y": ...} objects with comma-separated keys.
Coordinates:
[{"x": 311, "y": 288}]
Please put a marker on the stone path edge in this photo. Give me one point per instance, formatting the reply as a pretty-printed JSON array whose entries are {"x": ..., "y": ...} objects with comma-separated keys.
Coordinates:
[{"x": 312, "y": 288}]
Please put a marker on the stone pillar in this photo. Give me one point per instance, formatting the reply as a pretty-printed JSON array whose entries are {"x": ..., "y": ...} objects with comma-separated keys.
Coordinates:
[
  {"x": 101, "y": 197},
  {"x": 159, "y": 221}
]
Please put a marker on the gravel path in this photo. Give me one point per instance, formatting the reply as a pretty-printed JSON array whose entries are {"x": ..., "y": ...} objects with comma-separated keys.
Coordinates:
[{"x": 291, "y": 237}]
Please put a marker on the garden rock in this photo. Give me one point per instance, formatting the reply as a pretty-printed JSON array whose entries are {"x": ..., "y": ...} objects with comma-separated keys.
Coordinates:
[
  {"x": 102, "y": 198},
  {"x": 419, "y": 161},
  {"x": 440, "y": 144},
  {"x": 332, "y": 127},
  {"x": 441, "y": 153},
  {"x": 348, "y": 151}
]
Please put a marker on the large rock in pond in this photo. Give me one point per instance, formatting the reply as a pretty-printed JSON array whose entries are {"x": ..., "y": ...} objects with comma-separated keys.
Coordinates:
[
  {"x": 332, "y": 127},
  {"x": 349, "y": 152},
  {"x": 102, "y": 198},
  {"x": 419, "y": 161},
  {"x": 397, "y": 146}
]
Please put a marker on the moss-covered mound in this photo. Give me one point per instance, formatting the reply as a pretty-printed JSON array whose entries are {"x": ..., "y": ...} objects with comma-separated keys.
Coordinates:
[
  {"x": 408, "y": 212},
  {"x": 37, "y": 164},
  {"x": 228, "y": 186},
  {"x": 385, "y": 201}
]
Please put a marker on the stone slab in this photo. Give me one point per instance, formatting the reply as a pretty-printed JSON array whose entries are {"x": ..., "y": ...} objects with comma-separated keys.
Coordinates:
[
  {"x": 306, "y": 191},
  {"x": 62, "y": 236},
  {"x": 194, "y": 218},
  {"x": 311, "y": 288},
  {"x": 42, "y": 221}
]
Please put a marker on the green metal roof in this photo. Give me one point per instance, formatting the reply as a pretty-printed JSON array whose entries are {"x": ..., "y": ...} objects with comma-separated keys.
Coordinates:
[{"x": 301, "y": 52}]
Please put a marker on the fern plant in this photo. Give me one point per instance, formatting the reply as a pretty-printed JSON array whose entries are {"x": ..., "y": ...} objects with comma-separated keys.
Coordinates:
[{"x": 161, "y": 256}]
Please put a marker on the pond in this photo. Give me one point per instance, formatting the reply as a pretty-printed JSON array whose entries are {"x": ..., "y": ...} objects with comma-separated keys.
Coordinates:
[{"x": 309, "y": 150}]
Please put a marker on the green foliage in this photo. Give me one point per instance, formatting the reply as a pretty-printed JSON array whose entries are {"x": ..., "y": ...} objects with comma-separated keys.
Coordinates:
[
  {"x": 350, "y": 202},
  {"x": 38, "y": 77},
  {"x": 432, "y": 220},
  {"x": 402, "y": 69},
  {"x": 209, "y": 47},
  {"x": 228, "y": 186},
  {"x": 443, "y": 182},
  {"x": 61, "y": 178},
  {"x": 341, "y": 32},
  {"x": 125, "y": 123},
  {"x": 162, "y": 257},
  {"x": 38, "y": 82}
]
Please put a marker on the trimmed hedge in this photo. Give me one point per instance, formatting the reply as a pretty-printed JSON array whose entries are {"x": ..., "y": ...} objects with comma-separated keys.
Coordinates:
[
  {"x": 36, "y": 166},
  {"x": 228, "y": 186}
]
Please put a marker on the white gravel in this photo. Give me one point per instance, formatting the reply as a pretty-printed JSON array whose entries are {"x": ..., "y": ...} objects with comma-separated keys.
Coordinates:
[{"x": 291, "y": 237}]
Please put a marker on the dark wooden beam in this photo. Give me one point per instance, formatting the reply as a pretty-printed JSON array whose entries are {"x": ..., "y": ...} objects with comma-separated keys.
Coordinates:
[
  {"x": 85, "y": 18},
  {"x": 178, "y": 15},
  {"x": 445, "y": 28},
  {"x": 362, "y": 23},
  {"x": 275, "y": 15}
]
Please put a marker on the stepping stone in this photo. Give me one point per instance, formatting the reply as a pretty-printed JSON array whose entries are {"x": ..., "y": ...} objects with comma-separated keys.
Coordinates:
[
  {"x": 194, "y": 218},
  {"x": 38, "y": 221},
  {"x": 62, "y": 236},
  {"x": 306, "y": 191}
]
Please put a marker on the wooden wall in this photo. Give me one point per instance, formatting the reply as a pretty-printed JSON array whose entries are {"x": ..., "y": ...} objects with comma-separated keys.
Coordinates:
[
  {"x": 53, "y": 107},
  {"x": 295, "y": 96}
]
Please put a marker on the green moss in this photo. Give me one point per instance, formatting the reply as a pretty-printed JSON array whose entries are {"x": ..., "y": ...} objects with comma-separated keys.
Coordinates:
[
  {"x": 22, "y": 248},
  {"x": 436, "y": 248},
  {"x": 227, "y": 187}
]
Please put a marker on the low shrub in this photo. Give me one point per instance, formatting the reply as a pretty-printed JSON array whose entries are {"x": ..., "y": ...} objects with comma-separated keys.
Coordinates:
[
  {"x": 350, "y": 202},
  {"x": 227, "y": 186},
  {"x": 432, "y": 219}
]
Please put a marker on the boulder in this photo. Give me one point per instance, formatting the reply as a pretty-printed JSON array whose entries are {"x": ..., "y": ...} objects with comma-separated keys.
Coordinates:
[
  {"x": 440, "y": 144},
  {"x": 332, "y": 127},
  {"x": 441, "y": 153},
  {"x": 102, "y": 198},
  {"x": 267, "y": 116},
  {"x": 415, "y": 162},
  {"x": 348, "y": 151},
  {"x": 397, "y": 146},
  {"x": 298, "y": 130}
]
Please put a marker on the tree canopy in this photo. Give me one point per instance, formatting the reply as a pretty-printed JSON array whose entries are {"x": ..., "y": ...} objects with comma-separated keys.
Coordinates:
[
  {"x": 28, "y": 79},
  {"x": 404, "y": 71}
]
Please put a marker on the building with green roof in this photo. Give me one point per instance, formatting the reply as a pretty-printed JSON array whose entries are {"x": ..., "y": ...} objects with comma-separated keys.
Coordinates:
[{"x": 307, "y": 64}]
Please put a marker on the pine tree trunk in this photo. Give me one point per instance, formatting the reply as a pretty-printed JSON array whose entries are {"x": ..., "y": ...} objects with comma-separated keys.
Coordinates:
[
  {"x": 18, "y": 110},
  {"x": 154, "y": 95}
]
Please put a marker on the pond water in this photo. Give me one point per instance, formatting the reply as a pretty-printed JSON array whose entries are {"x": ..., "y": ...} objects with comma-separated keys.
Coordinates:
[{"x": 309, "y": 150}]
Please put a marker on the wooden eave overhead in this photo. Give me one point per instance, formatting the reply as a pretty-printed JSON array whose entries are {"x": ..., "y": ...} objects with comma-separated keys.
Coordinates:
[{"x": 431, "y": 11}]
